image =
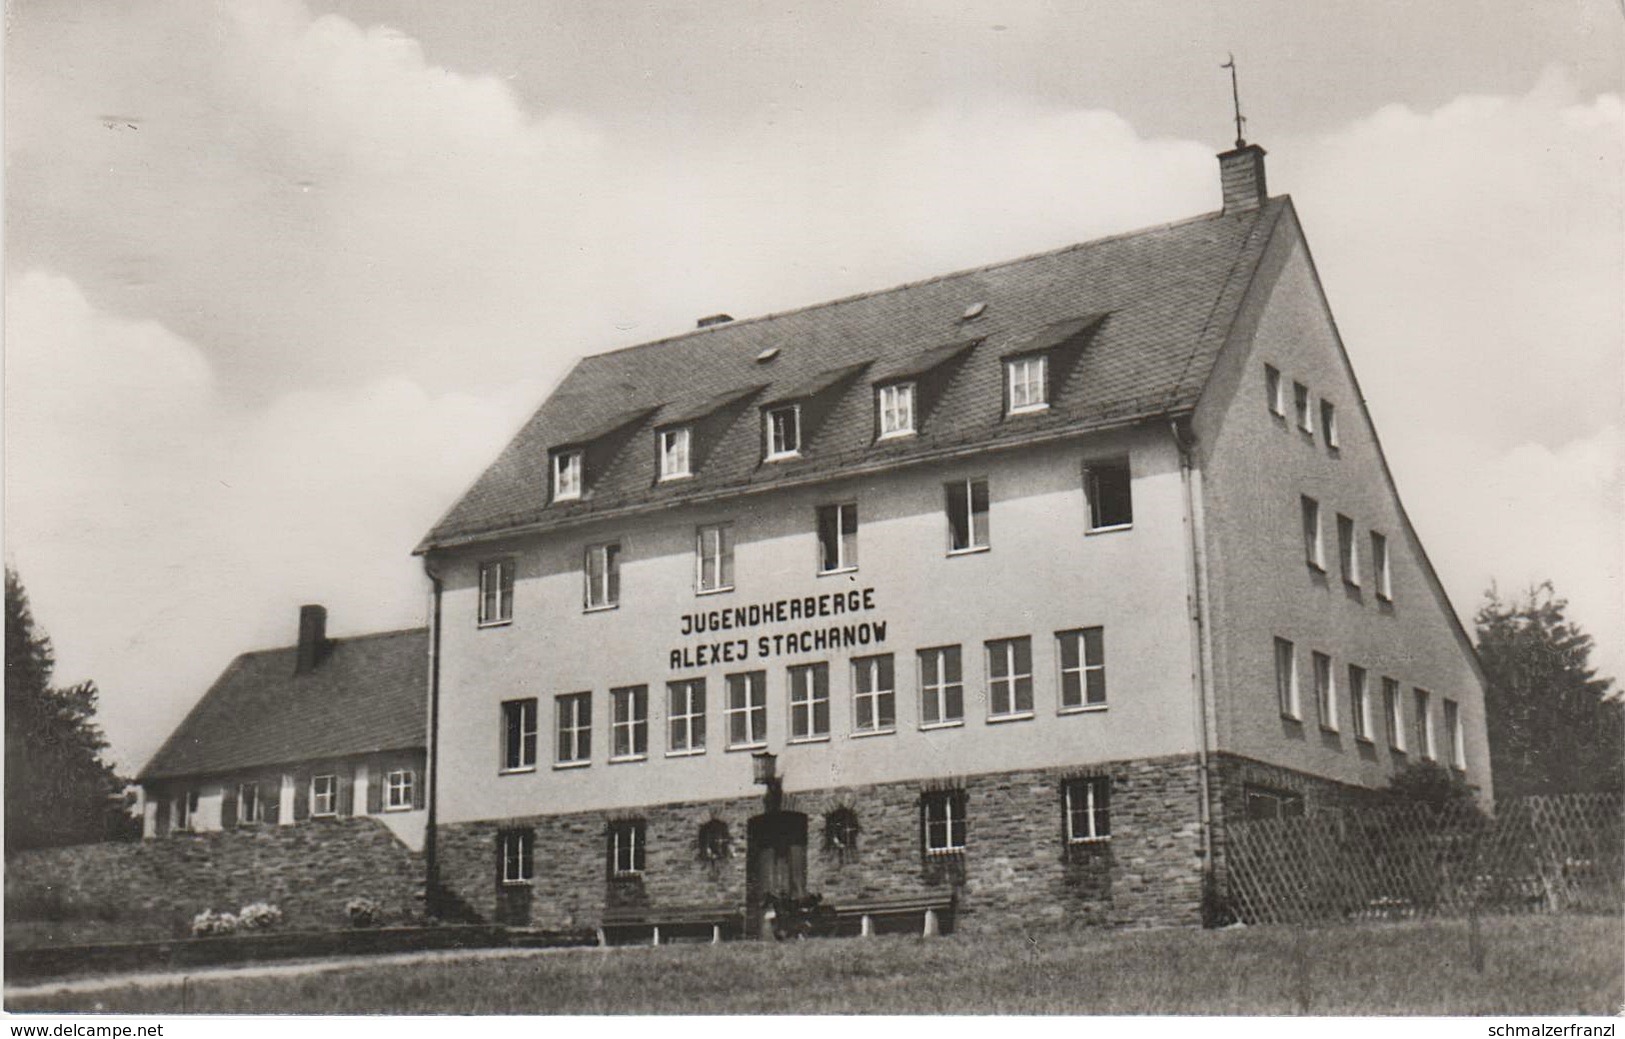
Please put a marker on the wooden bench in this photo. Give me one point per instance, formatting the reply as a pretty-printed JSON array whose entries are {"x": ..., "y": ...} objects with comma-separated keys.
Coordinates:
[
  {"x": 672, "y": 918},
  {"x": 931, "y": 906}
]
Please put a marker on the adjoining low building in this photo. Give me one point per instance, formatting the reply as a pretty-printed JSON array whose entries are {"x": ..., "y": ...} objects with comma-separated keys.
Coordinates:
[
  {"x": 325, "y": 729},
  {"x": 1016, "y": 586}
]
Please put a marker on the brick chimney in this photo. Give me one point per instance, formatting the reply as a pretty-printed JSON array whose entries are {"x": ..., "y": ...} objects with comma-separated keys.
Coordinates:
[
  {"x": 1241, "y": 174},
  {"x": 312, "y": 638}
]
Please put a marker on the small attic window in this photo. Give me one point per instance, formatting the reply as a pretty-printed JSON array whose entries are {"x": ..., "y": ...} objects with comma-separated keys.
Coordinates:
[
  {"x": 767, "y": 355},
  {"x": 974, "y": 311}
]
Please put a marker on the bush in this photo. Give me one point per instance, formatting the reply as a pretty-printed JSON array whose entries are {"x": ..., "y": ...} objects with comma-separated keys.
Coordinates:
[
  {"x": 209, "y": 922},
  {"x": 258, "y": 916},
  {"x": 364, "y": 912}
]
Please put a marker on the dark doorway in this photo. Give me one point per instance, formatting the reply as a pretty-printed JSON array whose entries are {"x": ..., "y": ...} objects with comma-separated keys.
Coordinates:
[{"x": 777, "y": 856}]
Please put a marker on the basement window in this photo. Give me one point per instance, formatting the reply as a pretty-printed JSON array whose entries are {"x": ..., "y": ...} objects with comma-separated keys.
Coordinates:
[
  {"x": 515, "y": 850},
  {"x": 1087, "y": 807},
  {"x": 626, "y": 841},
  {"x": 943, "y": 817}
]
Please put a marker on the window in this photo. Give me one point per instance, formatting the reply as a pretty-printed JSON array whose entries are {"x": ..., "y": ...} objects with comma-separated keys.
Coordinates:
[
  {"x": 1325, "y": 691},
  {"x": 784, "y": 432},
  {"x": 629, "y": 723},
  {"x": 714, "y": 557},
  {"x": 249, "y": 808},
  {"x": 1328, "y": 423},
  {"x": 1264, "y": 803},
  {"x": 1272, "y": 390},
  {"x": 896, "y": 404},
  {"x": 1424, "y": 727},
  {"x": 515, "y": 848},
  {"x": 575, "y": 728},
  {"x": 944, "y": 813},
  {"x": 747, "y": 709},
  {"x": 1083, "y": 668},
  {"x": 626, "y": 838},
  {"x": 398, "y": 792},
  {"x": 1360, "y": 702},
  {"x": 715, "y": 842},
  {"x": 837, "y": 538},
  {"x": 1026, "y": 381},
  {"x": 603, "y": 573},
  {"x": 1087, "y": 804},
  {"x": 674, "y": 453},
  {"x": 967, "y": 515},
  {"x": 942, "y": 687},
  {"x": 1379, "y": 563},
  {"x": 1300, "y": 404},
  {"x": 1010, "y": 678},
  {"x": 685, "y": 716},
  {"x": 1286, "y": 679},
  {"x": 1110, "y": 503},
  {"x": 566, "y": 475},
  {"x": 1393, "y": 712},
  {"x": 518, "y": 734},
  {"x": 324, "y": 795},
  {"x": 1313, "y": 550},
  {"x": 496, "y": 591},
  {"x": 1348, "y": 552},
  {"x": 841, "y": 830},
  {"x": 185, "y": 809},
  {"x": 874, "y": 697},
  {"x": 1456, "y": 741},
  {"x": 809, "y": 702}
]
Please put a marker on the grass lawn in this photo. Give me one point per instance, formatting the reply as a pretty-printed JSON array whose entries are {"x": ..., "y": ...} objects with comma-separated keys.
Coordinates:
[{"x": 1533, "y": 965}]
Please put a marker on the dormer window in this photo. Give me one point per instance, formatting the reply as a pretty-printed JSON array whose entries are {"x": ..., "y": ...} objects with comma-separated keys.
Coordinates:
[
  {"x": 896, "y": 404},
  {"x": 674, "y": 453},
  {"x": 783, "y": 432},
  {"x": 1027, "y": 383},
  {"x": 566, "y": 475}
]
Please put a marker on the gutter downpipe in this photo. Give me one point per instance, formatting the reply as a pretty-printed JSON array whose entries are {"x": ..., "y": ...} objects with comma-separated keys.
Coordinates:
[
  {"x": 431, "y": 865},
  {"x": 1185, "y": 440}
]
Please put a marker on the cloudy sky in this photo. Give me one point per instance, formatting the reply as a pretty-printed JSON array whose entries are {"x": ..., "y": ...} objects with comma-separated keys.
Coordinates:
[{"x": 281, "y": 277}]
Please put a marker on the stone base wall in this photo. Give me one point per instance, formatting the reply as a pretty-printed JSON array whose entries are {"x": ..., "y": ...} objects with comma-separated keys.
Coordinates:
[
  {"x": 1016, "y": 873},
  {"x": 1233, "y": 775},
  {"x": 153, "y": 888}
]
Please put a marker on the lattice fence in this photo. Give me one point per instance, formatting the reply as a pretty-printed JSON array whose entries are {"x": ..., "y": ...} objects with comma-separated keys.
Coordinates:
[{"x": 1530, "y": 855}]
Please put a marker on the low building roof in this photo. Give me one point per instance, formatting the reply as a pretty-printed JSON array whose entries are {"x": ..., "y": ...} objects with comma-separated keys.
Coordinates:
[
  {"x": 1149, "y": 311},
  {"x": 367, "y": 693}
]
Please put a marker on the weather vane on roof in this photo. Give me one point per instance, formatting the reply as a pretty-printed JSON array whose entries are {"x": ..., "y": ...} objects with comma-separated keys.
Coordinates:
[{"x": 1235, "y": 95}]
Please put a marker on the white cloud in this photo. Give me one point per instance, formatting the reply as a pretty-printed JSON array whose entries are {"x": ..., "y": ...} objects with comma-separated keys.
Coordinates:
[{"x": 161, "y": 530}]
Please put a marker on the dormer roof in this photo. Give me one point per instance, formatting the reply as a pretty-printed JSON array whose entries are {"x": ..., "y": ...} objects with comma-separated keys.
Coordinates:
[{"x": 1137, "y": 320}]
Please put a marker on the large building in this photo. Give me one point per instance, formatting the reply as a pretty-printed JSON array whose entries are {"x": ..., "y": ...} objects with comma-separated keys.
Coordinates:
[
  {"x": 324, "y": 729},
  {"x": 1030, "y": 578}
]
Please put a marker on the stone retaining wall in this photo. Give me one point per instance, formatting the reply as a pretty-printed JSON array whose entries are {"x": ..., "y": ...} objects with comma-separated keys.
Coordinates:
[
  {"x": 1016, "y": 871},
  {"x": 151, "y": 889}
]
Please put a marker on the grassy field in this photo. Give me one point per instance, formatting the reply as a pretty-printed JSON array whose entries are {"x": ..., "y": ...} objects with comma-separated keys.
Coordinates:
[{"x": 1533, "y": 965}]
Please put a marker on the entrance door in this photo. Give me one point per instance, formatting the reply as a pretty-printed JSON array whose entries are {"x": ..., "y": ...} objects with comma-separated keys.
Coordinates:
[{"x": 777, "y": 857}]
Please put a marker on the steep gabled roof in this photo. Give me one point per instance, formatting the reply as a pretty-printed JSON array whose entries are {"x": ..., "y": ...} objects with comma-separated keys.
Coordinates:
[
  {"x": 1147, "y": 312},
  {"x": 367, "y": 693}
]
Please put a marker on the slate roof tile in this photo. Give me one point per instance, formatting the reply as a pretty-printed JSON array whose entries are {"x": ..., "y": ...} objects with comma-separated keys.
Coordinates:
[
  {"x": 368, "y": 693},
  {"x": 1162, "y": 301}
]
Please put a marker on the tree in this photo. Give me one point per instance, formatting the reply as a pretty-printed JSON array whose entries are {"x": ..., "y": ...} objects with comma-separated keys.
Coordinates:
[
  {"x": 58, "y": 788},
  {"x": 1554, "y": 726}
]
